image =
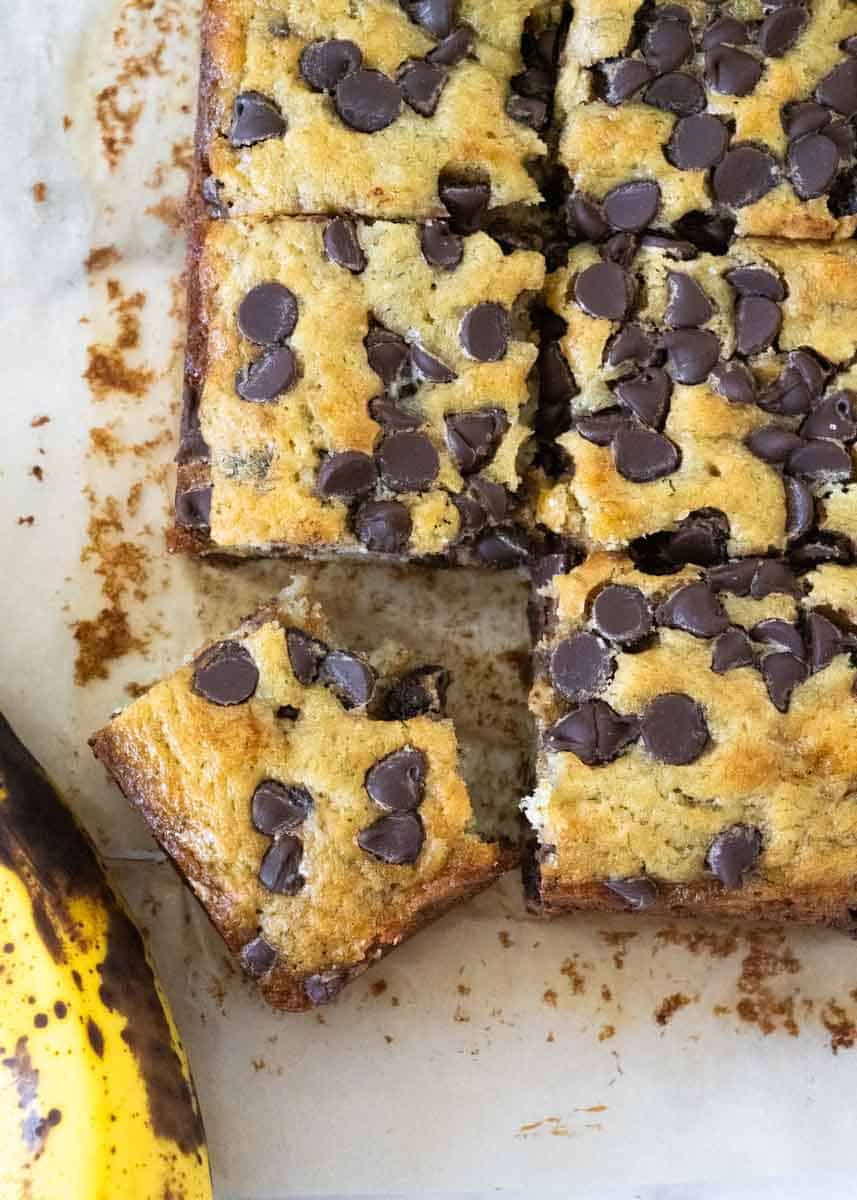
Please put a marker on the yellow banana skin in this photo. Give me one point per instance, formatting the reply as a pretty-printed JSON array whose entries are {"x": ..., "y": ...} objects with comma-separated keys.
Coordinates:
[{"x": 96, "y": 1098}]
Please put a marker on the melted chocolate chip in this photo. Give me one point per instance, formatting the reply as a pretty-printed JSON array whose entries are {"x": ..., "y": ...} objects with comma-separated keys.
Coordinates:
[
  {"x": 632, "y": 206},
  {"x": 581, "y": 666},
  {"x": 594, "y": 732},
  {"x": 396, "y": 839},
  {"x": 349, "y": 677},
  {"x": 641, "y": 455},
  {"x": 735, "y": 381},
  {"x": 800, "y": 508},
  {"x": 527, "y": 110},
  {"x": 324, "y": 63},
  {"x": 743, "y": 176},
  {"x": 505, "y": 546},
  {"x": 279, "y": 808},
  {"x": 621, "y": 80},
  {"x": 646, "y": 395},
  {"x": 787, "y": 396},
  {"x": 422, "y": 83},
  {"x": 620, "y": 248},
  {"x": 435, "y": 16},
  {"x": 341, "y": 245},
  {"x": 274, "y": 373},
  {"x": 687, "y": 304},
  {"x": 638, "y": 892},
  {"x": 383, "y": 526},
  {"x": 823, "y": 639},
  {"x": 408, "y": 462},
  {"x": 813, "y": 162},
  {"x": 346, "y": 475},
  {"x": 632, "y": 344},
  {"x": 695, "y": 609},
  {"x": 733, "y": 853},
  {"x": 465, "y": 202},
  {"x": 280, "y": 869},
  {"x": 431, "y": 368},
  {"x": 772, "y": 443},
  {"x": 388, "y": 354},
  {"x": 255, "y": 118},
  {"x": 368, "y": 101},
  {"x": 757, "y": 324},
  {"x": 822, "y": 461},
  {"x": 585, "y": 219},
  {"x": 420, "y": 692},
  {"x": 392, "y": 417},
  {"x": 556, "y": 389},
  {"x": 782, "y": 672},
  {"x": 604, "y": 290},
  {"x": 732, "y": 649},
  {"x": 677, "y": 93},
  {"x": 802, "y": 117},
  {"x": 834, "y": 417},
  {"x": 691, "y": 354},
  {"x": 820, "y": 548},
  {"x": 485, "y": 331},
  {"x": 781, "y": 29},
  {"x": 622, "y": 614},
  {"x": 440, "y": 247},
  {"x": 397, "y": 783},
  {"x": 601, "y": 428},
  {"x": 268, "y": 314},
  {"x": 258, "y": 957},
  {"x": 775, "y": 632},
  {"x": 193, "y": 507},
  {"x": 674, "y": 729},
  {"x": 732, "y": 72},
  {"x": 838, "y": 89},
  {"x": 666, "y": 45},
  {"x": 474, "y": 437},
  {"x": 700, "y": 538},
  {"x": 225, "y": 674},
  {"x": 306, "y": 655},
  {"x": 772, "y": 577},
  {"x": 756, "y": 281},
  {"x": 725, "y": 31},
  {"x": 454, "y": 48}
]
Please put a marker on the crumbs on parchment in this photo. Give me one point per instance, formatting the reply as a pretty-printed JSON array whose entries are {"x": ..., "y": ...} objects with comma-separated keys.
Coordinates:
[
  {"x": 670, "y": 1005},
  {"x": 40, "y": 192},
  {"x": 108, "y": 369},
  {"x": 100, "y": 258}
]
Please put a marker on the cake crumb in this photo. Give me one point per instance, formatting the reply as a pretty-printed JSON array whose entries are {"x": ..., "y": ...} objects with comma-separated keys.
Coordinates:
[
  {"x": 38, "y": 422},
  {"x": 30, "y": 520},
  {"x": 258, "y": 1064},
  {"x": 550, "y": 1037},
  {"x": 840, "y": 1026},
  {"x": 669, "y": 1006},
  {"x": 378, "y": 987},
  {"x": 606, "y": 1032},
  {"x": 463, "y": 989},
  {"x": 67, "y": 122},
  {"x": 606, "y": 994},
  {"x": 549, "y": 996},
  {"x": 570, "y": 970},
  {"x": 37, "y": 472},
  {"x": 505, "y": 938},
  {"x": 100, "y": 258},
  {"x": 40, "y": 192}
]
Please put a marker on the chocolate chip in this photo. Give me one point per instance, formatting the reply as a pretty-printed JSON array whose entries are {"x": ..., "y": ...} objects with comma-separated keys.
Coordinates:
[
  {"x": 732, "y": 649},
  {"x": 622, "y": 614},
  {"x": 388, "y": 354},
  {"x": 675, "y": 248},
  {"x": 757, "y": 324},
  {"x": 838, "y": 89},
  {"x": 735, "y": 381},
  {"x": 775, "y": 632},
  {"x": 632, "y": 206},
  {"x": 733, "y": 853},
  {"x": 674, "y": 729},
  {"x": 581, "y": 666},
  {"x": 756, "y": 281},
  {"x": 787, "y": 396},
  {"x": 632, "y": 344},
  {"x": 620, "y": 80},
  {"x": 193, "y": 507},
  {"x": 546, "y": 567},
  {"x": 455, "y": 47},
  {"x": 440, "y": 247},
  {"x": 813, "y": 163},
  {"x": 822, "y": 461},
  {"x": 811, "y": 552},
  {"x": 556, "y": 389},
  {"x": 849, "y": 45},
  {"x": 691, "y": 354},
  {"x": 326, "y": 985},
  {"x": 420, "y": 692},
  {"x": 465, "y": 202},
  {"x": 811, "y": 370},
  {"x": 368, "y": 101},
  {"x": 646, "y": 395},
  {"x": 709, "y": 231},
  {"x": 258, "y": 957},
  {"x": 841, "y": 133},
  {"x": 744, "y": 176},
  {"x": 725, "y": 31},
  {"x": 383, "y": 526},
  {"x": 347, "y": 474},
  {"x": 800, "y": 508},
  {"x": 484, "y": 332},
  {"x": 408, "y": 462},
  {"x": 192, "y": 445},
  {"x": 505, "y": 546},
  {"x": 666, "y": 45},
  {"x": 772, "y": 443},
  {"x": 731, "y": 72},
  {"x": 473, "y": 437},
  {"x": 781, "y": 29},
  {"x": 280, "y": 869},
  {"x": 391, "y": 416},
  {"x": 735, "y": 577},
  {"x": 600, "y": 428},
  {"x": 349, "y": 677},
  {"x": 604, "y": 290},
  {"x": 638, "y": 892},
  {"x": 397, "y": 783},
  {"x": 697, "y": 142},
  {"x": 594, "y": 732},
  {"x": 492, "y": 498},
  {"x": 306, "y": 654},
  {"x": 584, "y": 219},
  {"x": 255, "y": 118},
  {"x": 268, "y": 314},
  {"x": 824, "y": 641},
  {"x": 279, "y": 808},
  {"x": 642, "y": 455},
  {"x": 422, "y": 83},
  {"x": 225, "y": 674},
  {"x": 676, "y": 93},
  {"x": 700, "y": 538},
  {"x": 782, "y": 672},
  {"x": 834, "y": 417},
  {"x": 341, "y": 245},
  {"x": 431, "y": 368},
  {"x": 210, "y": 189},
  {"x": 274, "y": 373},
  {"x": 324, "y": 63},
  {"x": 695, "y": 609},
  {"x": 396, "y": 839},
  {"x": 620, "y": 248},
  {"x": 771, "y": 578},
  {"x": 527, "y": 110},
  {"x": 435, "y": 16},
  {"x": 802, "y": 117},
  {"x": 688, "y": 304}
]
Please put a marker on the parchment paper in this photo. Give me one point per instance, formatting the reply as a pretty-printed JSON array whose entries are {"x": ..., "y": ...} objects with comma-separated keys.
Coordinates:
[{"x": 606, "y": 1058}]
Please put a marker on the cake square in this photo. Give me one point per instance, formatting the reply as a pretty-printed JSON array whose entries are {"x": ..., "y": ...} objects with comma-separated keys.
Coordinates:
[
  {"x": 701, "y": 404},
  {"x": 708, "y": 116},
  {"x": 360, "y": 388},
  {"x": 697, "y": 747},
  {"x": 411, "y": 111},
  {"x": 310, "y": 796}
]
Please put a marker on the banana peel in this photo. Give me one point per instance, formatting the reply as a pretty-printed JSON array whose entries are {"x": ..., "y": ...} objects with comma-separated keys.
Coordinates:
[{"x": 96, "y": 1096}]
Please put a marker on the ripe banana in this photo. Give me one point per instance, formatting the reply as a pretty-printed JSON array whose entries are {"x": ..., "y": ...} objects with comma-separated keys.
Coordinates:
[{"x": 96, "y": 1098}]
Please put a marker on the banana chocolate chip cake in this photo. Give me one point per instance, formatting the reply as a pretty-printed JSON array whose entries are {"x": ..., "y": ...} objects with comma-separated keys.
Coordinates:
[{"x": 310, "y": 796}]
